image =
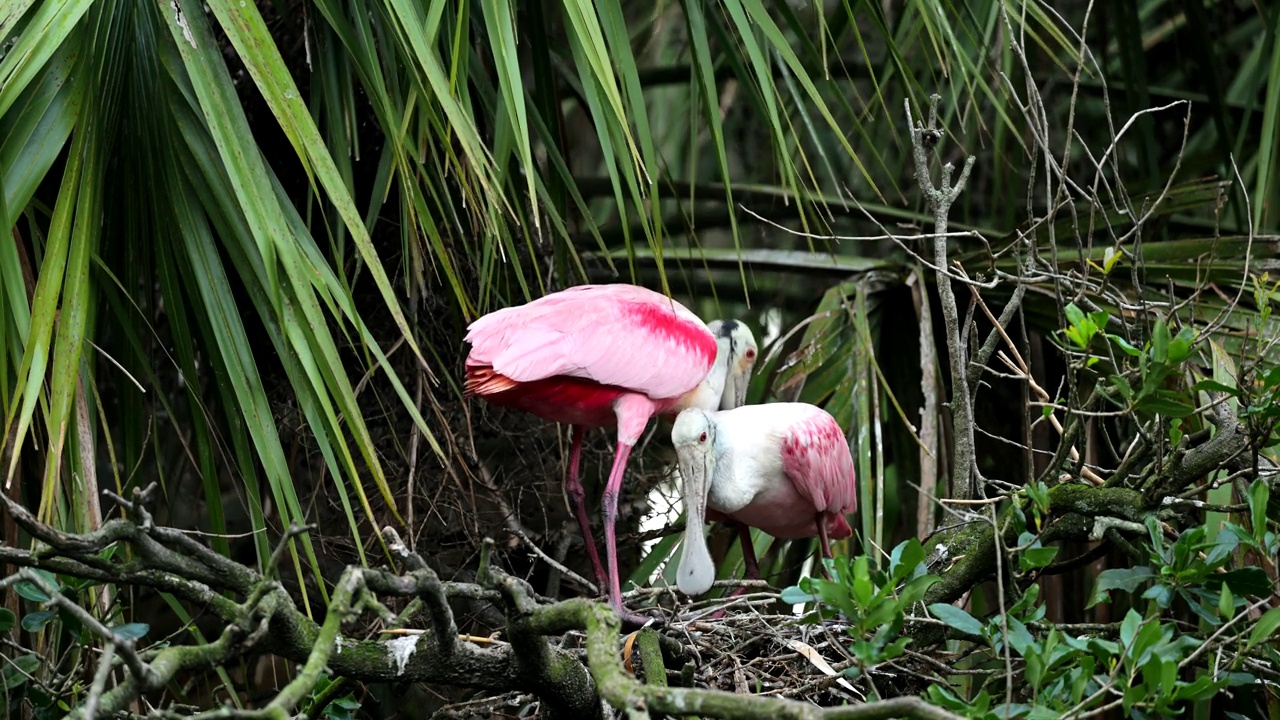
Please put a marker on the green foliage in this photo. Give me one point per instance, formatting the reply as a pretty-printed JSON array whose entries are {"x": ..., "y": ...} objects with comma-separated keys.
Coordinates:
[
  {"x": 1148, "y": 663},
  {"x": 335, "y": 708},
  {"x": 1069, "y": 673},
  {"x": 875, "y": 602},
  {"x": 63, "y": 636},
  {"x": 1137, "y": 378},
  {"x": 1082, "y": 328},
  {"x": 1258, "y": 391},
  {"x": 1194, "y": 569}
]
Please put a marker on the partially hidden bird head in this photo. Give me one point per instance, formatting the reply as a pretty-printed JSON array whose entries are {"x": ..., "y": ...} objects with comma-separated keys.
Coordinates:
[
  {"x": 736, "y": 347},
  {"x": 694, "y": 436}
]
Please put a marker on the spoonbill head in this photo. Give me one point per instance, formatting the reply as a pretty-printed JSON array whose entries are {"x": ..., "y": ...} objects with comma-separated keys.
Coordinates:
[
  {"x": 736, "y": 346},
  {"x": 782, "y": 467}
]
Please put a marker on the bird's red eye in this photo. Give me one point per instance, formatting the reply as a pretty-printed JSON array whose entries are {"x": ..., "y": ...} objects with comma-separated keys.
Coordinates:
[
  {"x": 750, "y": 354},
  {"x": 703, "y": 436}
]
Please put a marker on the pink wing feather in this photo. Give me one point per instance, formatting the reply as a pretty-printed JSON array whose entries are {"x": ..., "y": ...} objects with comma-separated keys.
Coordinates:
[
  {"x": 620, "y": 335},
  {"x": 816, "y": 458}
]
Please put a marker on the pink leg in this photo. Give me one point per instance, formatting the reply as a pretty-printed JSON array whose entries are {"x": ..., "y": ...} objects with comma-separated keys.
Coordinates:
[
  {"x": 752, "y": 567},
  {"x": 824, "y": 544},
  {"x": 748, "y": 553},
  {"x": 578, "y": 494},
  {"x": 748, "y": 558},
  {"x": 610, "y": 502}
]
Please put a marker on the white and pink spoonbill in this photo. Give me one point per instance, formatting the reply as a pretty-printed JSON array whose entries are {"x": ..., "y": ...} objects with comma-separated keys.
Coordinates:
[
  {"x": 782, "y": 467},
  {"x": 600, "y": 356}
]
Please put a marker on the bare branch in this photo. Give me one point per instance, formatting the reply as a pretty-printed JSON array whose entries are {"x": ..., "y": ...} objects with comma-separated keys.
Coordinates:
[{"x": 923, "y": 138}]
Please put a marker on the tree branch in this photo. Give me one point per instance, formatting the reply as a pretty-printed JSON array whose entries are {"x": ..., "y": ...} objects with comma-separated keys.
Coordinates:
[{"x": 923, "y": 138}]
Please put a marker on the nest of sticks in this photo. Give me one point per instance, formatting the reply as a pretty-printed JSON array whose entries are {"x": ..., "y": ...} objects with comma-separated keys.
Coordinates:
[{"x": 750, "y": 643}]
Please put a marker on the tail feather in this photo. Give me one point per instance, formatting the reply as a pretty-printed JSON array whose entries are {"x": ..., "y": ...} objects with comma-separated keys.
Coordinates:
[{"x": 484, "y": 380}]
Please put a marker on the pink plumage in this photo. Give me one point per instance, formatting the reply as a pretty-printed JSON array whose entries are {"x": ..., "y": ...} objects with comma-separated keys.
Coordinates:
[
  {"x": 593, "y": 356},
  {"x": 816, "y": 458},
  {"x": 784, "y": 468},
  {"x": 568, "y": 357}
]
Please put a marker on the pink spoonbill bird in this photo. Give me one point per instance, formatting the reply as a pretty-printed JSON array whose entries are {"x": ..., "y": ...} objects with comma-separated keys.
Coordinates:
[
  {"x": 782, "y": 467},
  {"x": 607, "y": 356}
]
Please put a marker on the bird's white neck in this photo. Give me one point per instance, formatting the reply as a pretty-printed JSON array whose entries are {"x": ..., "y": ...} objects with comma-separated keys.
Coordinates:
[
  {"x": 722, "y": 492},
  {"x": 708, "y": 393},
  {"x": 737, "y": 474}
]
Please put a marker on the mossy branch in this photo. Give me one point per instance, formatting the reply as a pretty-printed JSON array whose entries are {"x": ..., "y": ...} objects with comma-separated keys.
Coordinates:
[{"x": 267, "y": 620}]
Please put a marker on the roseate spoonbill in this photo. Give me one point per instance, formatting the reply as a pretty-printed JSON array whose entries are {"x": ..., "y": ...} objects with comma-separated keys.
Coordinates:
[
  {"x": 782, "y": 467},
  {"x": 606, "y": 356}
]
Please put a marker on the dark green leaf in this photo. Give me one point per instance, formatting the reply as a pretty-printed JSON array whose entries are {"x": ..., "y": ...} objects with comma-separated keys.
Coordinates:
[
  {"x": 1265, "y": 627},
  {"x": 881, "y": 615},
  {"x": 1126, "y": 579},
  {"x": 35, "y": 622},
  {"x": 795, "y": 596},
  {"x": 1165, "y": 403},
  {"x": 862, "y": 588},
  {"x": 1272, "y": 378},
  {"x": 913, "y": 592},
  {"x": 1133, "y": 694},
  {"x": 1202, "y": 688},
  {"x": 131, "y": 631},
  {"x": 7, "y": 620},
  {"x": 16, "y": 671},
  {"x": 1028, "y": 602},
  {"x": 1236, "y": 679},
  {"x": 1019, "y": 637},
  {"x": 1035, "y": 670},
  {"x": 1039, "y": 494},
  {"x": 1160, "y": 342},
  {"x": 1222, "y": 549},
  {"x": 1040, "y": 712},
  {"x": 1036, "y": 557},
  {"x": 1246, "y": 581},
  {"x": 1124, "y": 345},
  {"x": 956, "y": 618},
  {"x": 1122, "y": 385},
  {"x": 1206, "y": 612},
  {"x": 31, "y": 591},
  {"x": 1259, "y": 495},
  {"x": 905, "y": 558},
  {"x": 1161, "y": 594},
  {"x": 1215, "y": 386},
  {"x": 1080, "y": 677},
  {"x": 1129, "y": 628},
  {"x": 896, "y": 649}
]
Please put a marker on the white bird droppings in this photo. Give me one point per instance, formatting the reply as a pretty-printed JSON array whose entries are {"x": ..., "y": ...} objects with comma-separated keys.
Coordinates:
[
  {"x": 182, "y": 23},
  {"x": 401, "y": 649}
]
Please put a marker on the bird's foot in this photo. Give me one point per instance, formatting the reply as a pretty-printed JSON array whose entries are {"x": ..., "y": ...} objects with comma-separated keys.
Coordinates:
[{"x": 635, "y": 621}]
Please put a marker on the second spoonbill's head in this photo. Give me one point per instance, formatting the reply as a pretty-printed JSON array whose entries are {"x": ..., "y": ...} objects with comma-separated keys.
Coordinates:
[
  {"x": 694, "y": 437},
  {"x": 737, "y": 349}
]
